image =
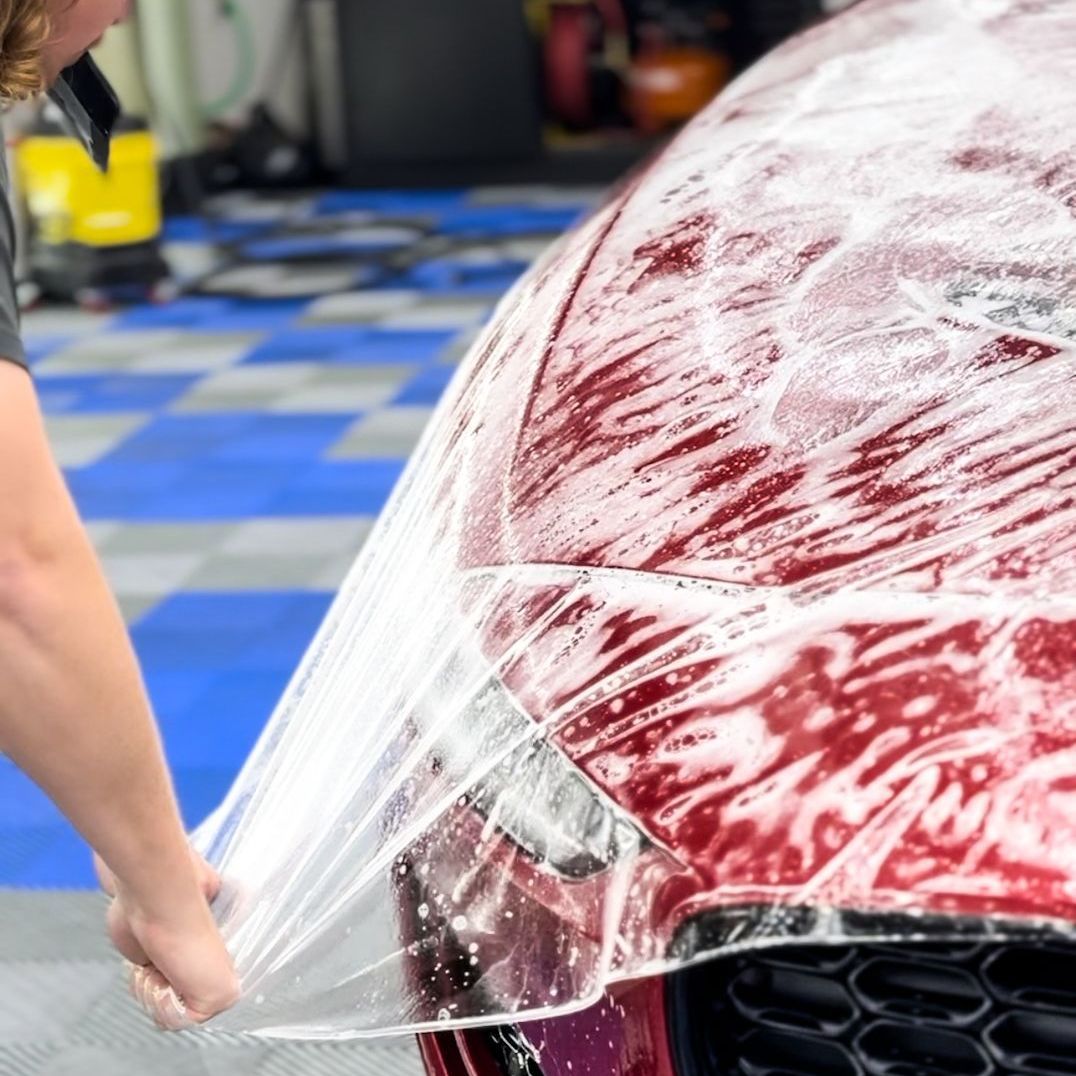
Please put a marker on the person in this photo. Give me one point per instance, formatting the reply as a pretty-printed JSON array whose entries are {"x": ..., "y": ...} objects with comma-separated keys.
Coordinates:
[{"x": 74, "y": 713}]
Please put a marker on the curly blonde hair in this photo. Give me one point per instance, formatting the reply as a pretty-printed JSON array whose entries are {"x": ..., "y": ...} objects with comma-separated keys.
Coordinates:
[{"x": 24, "y": 30}]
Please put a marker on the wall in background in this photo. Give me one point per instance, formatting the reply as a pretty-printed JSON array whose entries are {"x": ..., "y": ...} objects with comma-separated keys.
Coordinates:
[{"x": 217, "y": 56}]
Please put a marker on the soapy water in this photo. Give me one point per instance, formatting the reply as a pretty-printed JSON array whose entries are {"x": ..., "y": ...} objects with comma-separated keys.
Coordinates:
[{"x": 738, "y": 567}]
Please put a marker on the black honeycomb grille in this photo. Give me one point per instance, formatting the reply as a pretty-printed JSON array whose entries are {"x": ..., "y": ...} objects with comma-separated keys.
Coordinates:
[{"x": 960, "y": 1009}]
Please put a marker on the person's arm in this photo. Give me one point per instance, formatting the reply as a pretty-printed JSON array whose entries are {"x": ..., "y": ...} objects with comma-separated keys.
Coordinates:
[{"x": 75, "y": 717}]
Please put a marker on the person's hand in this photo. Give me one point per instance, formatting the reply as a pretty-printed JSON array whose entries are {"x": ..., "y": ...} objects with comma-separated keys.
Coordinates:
[
  {"x": 207, "y": 877},
  {"x": 181, "y": 972}
]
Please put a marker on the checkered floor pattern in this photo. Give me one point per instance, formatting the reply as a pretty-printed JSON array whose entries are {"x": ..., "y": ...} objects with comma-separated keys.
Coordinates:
[{"x": 230, "y": 450}]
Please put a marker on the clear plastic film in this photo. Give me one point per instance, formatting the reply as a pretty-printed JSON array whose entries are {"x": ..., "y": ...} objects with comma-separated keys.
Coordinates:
[{"x": 736, "y": 571}]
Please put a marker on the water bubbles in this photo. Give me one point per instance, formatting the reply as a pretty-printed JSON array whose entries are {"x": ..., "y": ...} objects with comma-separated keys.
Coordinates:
[
  {"x": 459, "y": 923},
  {"x": 259, "y": 999},
  {"x": 919, "y": 707},
  {"x": 443, "y": 1014},
  {"x": 423, "y": 911}
]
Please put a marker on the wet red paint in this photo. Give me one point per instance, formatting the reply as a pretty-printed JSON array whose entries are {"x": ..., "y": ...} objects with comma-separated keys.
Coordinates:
[{"x": 831, "y": 378}]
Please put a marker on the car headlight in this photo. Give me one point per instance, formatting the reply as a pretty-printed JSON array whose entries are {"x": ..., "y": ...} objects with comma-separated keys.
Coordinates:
[{"x": 528, "y": 789}]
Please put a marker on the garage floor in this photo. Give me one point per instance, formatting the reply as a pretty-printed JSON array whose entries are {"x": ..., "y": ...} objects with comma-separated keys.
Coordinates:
[
  {"x": 230, "y": 452},
  {"x": 64, "y": 1012}
]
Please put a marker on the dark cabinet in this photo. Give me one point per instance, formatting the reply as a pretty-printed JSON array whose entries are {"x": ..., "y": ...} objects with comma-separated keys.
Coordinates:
[{"x": 444, "y": 85}]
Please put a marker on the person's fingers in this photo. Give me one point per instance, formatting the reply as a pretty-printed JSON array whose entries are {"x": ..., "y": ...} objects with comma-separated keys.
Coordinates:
[
  {"x": 195, "y": 962},
  {"x": 172, "y": 1013},
  {"x": 209, "y": 880},
  {"x": 104, "y": 875},
  {"x": 162, "y": 1003},
  {"x": 155, "y": 995},
  {"x": 206, "y": 997},
  {"x": 138, "y": 985},
  {"x": 121, "y": 935}
]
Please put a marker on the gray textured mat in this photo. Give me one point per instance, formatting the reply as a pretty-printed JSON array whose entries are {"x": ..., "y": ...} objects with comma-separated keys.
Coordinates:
[{"x": 64, "y": 1011}]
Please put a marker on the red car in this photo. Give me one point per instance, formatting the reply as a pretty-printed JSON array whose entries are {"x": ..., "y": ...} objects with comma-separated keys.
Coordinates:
[
  {"x": 805, "y": 414},
  {"x": 706, "y": 702}
]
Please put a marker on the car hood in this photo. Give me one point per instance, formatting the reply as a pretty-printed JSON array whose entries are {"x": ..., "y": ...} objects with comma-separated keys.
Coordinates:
[{"x": 757, "y": 499}]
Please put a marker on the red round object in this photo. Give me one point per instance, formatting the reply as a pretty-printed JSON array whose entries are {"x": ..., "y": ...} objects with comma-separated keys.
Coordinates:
[{"x": 567, "y": 64}]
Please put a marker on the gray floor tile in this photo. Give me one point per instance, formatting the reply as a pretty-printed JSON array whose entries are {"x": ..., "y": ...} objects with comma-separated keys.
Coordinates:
[
  {"x": 101, "y": 530},
  {"x": 135, "y": 606},
  {"x": 366, "y": 373},
  {"x": 347, "y": 389},
  {"x": 388, "y": 434},
  {"x": 63, "y": 321},
  {"x": 335, "y": 399},
  {"x": 106, "y": 352},
  {"x": 250, "y": 388},
  {"x": 333, "y": 572},
  {"x": 298, "y": 388},
  {"x": 150, "y": 573},
  {"x": 264, "y": 572},
  {"x": 64, "y": 1011},
  {"x": 300, "y": 281},
  {"x": 195, "y": 353},
  {"x": 36, "y": 1006},
  {"x": 442, "y": 315},
  {"x": 460, "y": 347},
  {"x": 165, "y": 538},
  {"x": 81, "y": 440},
  {"x": 361, "y": 306},
  {"x": 277, "y": 537},
  {"x": 190, "y": 260},
  {"x": 23, "y": 1060},
  {"x": 548, "y": 196}
]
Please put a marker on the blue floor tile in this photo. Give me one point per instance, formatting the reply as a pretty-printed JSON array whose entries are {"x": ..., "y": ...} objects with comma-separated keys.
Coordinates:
[
  {"x": 222, "y": 724},
  {"x": 214, "y": 314},
  {"x": 86, "y": 394},
  {"x": 22, "y": 803},
  {"x": 506, "y": 220},
  {"x": 173, "y": 691},
  {"x": 19, "y": 848},
  {"x": 201, "y": 789},
  {"x": 41, "y": 347},
  {"x": 206, "y": 230},
  {"x": 343, "y": 488},
  {"x": 64, "y": 862},
  {"x": 426, "y": 388},
  {"x": 390, "y": 202},
  {"x": 216, "y": 664},
  {"x": 452, "y": 276},
  {"x": 352, "y": 344},
  {"x": 243, "y": 437}
]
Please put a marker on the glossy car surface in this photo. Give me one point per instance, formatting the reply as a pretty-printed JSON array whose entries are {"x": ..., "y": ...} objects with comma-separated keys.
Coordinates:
[{"x": 796, "y": 476}]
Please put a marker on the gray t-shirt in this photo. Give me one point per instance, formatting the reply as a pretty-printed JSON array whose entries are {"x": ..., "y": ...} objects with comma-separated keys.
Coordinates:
[{"x": 11, "y": 346}]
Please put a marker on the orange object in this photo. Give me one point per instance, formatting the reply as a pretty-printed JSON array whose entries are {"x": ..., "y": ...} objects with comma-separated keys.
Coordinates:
[{"x": 668, "y": 84}]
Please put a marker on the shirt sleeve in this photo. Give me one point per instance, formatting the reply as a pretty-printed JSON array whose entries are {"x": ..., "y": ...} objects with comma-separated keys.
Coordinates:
[{"x": 11, "y": 345}]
